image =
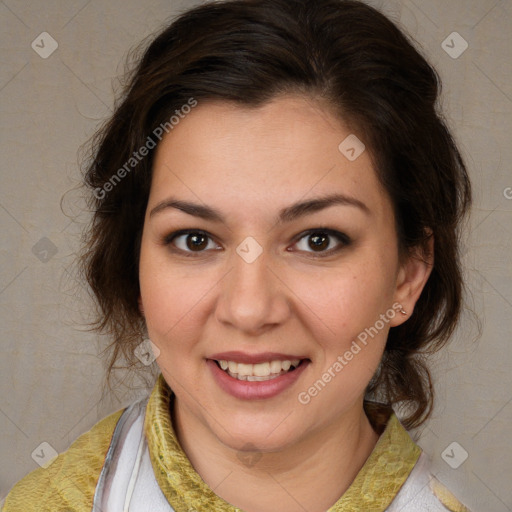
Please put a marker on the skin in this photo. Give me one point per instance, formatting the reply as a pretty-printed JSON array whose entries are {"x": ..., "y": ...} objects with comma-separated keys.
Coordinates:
[{"x": 249, "y": 164}]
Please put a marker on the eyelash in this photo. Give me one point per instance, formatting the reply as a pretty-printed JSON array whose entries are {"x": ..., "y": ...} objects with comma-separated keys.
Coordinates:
[{"x": 343, "y": 239}]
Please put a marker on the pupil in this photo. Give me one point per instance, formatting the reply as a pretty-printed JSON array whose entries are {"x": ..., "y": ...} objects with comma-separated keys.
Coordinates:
[
  {"x": 196, "y": 241},
  {"x": 319, "y": 241}
]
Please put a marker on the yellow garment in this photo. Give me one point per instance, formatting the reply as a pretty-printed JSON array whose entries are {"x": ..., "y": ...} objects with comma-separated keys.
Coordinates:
[
  {"x": 446, "y": 497},
  {"x": 69, "y": 483}
]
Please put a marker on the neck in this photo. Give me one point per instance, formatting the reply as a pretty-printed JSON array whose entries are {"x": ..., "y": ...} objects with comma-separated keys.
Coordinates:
[{"x": 256, "y": 482}]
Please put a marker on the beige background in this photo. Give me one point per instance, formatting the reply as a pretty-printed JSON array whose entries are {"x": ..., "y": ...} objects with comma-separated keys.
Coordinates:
[{"x": 50, "y": 372}]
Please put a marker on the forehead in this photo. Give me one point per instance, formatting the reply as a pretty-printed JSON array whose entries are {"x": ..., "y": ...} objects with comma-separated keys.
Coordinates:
[{"x": 264, "y": 157}]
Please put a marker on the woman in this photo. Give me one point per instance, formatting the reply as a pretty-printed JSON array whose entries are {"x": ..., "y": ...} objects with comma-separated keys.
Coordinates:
[{"x": 276, "y": 207}]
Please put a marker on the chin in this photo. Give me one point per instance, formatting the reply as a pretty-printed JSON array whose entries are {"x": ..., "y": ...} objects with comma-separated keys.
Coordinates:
[
  {"x": 269, "y": 436},
  {"x": 250, "y": 443}
]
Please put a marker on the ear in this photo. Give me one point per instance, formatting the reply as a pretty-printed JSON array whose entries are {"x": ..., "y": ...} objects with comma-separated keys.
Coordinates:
[{"x": 411, "y": 278}]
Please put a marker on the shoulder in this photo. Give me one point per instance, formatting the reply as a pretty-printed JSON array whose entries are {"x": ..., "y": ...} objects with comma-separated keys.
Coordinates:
[
  {"x": 445, "y": 496},
  {"x": 423, "y": 492},
  {"x": 69, "y": 482}
]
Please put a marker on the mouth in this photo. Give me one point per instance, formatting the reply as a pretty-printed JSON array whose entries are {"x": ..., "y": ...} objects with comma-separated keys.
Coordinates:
[
  {"x": 259, "y": 372},
  {"x": 259, "y": 376}
]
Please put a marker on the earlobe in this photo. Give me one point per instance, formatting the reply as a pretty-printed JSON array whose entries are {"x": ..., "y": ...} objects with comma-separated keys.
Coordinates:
[{"x": 412, "y": 278}]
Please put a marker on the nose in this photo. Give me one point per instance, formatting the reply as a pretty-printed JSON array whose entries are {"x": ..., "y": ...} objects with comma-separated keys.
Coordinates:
[{"x": 253, "y": 298}]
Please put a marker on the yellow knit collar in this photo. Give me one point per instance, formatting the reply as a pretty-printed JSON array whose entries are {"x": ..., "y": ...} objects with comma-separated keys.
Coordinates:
[{"x": 373, "y": 489}]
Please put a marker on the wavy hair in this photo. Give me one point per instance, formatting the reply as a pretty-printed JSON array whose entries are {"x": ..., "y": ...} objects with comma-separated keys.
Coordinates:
[{"x": 248, "y": 51}]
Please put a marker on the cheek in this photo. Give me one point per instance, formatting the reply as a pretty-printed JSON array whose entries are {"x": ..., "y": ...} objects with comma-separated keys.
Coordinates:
[
  {"x": 345, "y": 319},
  {"x": 172, "y": 305},
  {"x": 347, "y": 300},
  {"x": 175, "y": 299}
]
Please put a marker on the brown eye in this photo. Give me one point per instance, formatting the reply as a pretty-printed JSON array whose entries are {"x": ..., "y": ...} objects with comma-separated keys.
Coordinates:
[
  {"x": 318, "y": 241},
  {"x": 196, "y": 241},
  {"x": 190, "y": 241},
  {"x": 322, "y": 241}
]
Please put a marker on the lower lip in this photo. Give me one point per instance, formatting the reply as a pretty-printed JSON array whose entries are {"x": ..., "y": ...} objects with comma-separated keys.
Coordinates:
[{"x": 247, "y": 390}]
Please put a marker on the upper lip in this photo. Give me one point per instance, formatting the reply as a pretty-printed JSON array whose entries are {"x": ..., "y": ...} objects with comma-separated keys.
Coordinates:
[{"x": 262, "y": 357}]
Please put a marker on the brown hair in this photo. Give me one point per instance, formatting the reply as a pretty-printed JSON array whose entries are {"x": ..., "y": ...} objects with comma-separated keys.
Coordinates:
[{"x": 248, "y": 51}]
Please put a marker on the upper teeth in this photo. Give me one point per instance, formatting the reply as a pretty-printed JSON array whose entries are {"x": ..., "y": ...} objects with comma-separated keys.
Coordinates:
[{"x": 260, "y": 369}]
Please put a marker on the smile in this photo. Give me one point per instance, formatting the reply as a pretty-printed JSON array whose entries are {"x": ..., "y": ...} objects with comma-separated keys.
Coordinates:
[
  {"x": 258, "y": 372},
  {"x": 256, "y": 381}
]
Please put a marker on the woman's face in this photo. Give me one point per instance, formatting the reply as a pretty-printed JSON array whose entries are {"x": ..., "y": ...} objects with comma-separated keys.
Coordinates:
[{"x": 270, "y": 272}]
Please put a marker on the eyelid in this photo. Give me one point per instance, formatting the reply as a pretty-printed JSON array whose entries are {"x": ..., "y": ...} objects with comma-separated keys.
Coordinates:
[{"x": 343, "y": 239}]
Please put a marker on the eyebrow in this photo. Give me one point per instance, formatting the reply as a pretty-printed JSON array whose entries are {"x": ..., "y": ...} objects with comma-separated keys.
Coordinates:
[{"x": 287, "y": 214}]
